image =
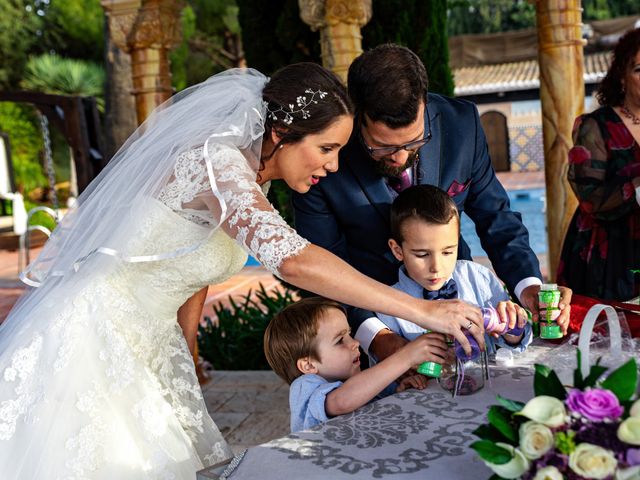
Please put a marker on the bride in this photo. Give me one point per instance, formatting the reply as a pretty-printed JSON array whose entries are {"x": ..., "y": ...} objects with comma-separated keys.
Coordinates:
[{"x": 96, "y": 379}]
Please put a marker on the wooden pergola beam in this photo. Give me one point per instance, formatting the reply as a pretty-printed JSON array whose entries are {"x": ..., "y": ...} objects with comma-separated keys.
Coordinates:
[{"x": 560, "y": 56}]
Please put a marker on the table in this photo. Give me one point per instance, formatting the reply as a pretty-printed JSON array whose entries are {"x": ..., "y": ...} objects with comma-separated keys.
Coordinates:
[{"x": 410, "y": 435}]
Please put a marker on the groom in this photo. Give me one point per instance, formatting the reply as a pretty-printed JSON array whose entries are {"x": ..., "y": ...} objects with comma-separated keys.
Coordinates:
[{"x": 403, "y": 136}]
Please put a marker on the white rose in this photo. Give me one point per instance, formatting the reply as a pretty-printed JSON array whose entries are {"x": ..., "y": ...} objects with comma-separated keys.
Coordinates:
[
  {"x": 632, "y": 473},
  {"x": 629, "y": 431},
  {"x": 635, "y": 409},
  {"x": 546, "y": 410},
  {"x": 548, "y": 473},
  {"x": 591, "y": 461},
  {"x": 535, "y": 440},
  {"x": 515, "y": 467}
]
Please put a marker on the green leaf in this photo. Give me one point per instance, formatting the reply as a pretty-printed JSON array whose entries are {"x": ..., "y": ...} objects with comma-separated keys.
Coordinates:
[
  {"x": 495, "y": 476},
  {"x": 578, "y": 380},
  {"x": 595, "y": 373},
  {"x": 489, "y": 432},
  {"x": 511, "y": 405},
  {"x": 500, "y": 418},
  {"x": 546, "y": 382},
  {"x": 622, "y": 381},
  {"x": 490, "y": 452}
]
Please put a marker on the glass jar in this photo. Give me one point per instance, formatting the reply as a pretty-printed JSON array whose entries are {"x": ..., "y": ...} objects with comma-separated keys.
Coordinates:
[{"x": 464, "y": 374}]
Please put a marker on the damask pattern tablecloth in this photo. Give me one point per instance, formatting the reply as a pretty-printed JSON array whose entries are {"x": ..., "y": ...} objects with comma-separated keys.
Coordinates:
[{"x": 410, "y": 435}]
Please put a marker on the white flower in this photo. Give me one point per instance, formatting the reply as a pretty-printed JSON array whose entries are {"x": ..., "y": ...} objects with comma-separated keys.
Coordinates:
[
  {"x": 546, "y": 410},
  {"x": 548, "y": 473},
  {"x": 591, "y": 461},
  {"x": 515, "y": 467},
  {"x": 635, "y": 409},
  {"x": 629, "y": 431},
  {"x": 535, "y": 440},
  {"x": 632, "y": 473}
]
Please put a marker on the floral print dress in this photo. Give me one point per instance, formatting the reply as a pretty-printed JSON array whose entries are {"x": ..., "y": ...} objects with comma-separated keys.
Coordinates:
[{"x": 601, "y": 252}]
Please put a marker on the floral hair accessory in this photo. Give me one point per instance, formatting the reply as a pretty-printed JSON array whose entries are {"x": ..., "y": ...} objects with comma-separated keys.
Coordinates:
[{"x": 301, "y": 107}]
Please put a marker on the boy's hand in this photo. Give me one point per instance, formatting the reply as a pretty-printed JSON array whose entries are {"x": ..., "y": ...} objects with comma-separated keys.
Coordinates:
[
  {"x": 512, "y": 314},
  {"x": 417, "y": 381},
  {"x": 430, "y": 347}
]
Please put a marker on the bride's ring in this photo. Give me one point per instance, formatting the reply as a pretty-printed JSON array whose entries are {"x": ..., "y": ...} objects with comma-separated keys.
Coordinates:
[{"x": 468, "y": 327}]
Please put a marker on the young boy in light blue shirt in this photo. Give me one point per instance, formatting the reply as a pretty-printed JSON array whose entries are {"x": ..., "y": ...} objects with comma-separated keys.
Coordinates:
[
  {"x": 425, "y": 228},
  {"x": 309, "y": 345}
]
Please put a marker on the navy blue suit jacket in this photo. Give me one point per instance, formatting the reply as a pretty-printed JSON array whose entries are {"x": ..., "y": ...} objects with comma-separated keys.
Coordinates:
[{"x": 348, "y": 211}]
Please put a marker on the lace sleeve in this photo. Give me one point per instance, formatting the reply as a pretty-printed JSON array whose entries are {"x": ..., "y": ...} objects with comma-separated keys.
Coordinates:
[{"x": 246, "y": 214}]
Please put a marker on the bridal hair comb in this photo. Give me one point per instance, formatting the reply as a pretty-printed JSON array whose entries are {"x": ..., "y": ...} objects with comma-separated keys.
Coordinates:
[{"x": 301, "y": 107}]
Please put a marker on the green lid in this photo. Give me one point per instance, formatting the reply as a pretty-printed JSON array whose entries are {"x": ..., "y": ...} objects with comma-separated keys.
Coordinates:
[
  {"x": 431, "y": 369},
  {"x": 550, "y": 331}
]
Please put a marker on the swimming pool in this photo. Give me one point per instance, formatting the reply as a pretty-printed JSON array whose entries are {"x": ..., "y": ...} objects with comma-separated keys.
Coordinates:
[{"x": 531, "y": 203}]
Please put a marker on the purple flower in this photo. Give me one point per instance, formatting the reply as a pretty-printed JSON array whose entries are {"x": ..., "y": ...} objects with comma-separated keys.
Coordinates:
[
  {"x": 603, "y": 434},
  {"x": 596, "y": 404},
  {"x": 633, "y": 457}
]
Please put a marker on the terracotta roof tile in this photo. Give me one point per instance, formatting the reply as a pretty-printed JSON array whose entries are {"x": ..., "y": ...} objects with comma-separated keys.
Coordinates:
[{"x": 522, "y": 75}]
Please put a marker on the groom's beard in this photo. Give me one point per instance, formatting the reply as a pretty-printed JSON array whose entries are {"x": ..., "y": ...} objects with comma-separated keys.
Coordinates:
[{"x": 387, "y": 170}]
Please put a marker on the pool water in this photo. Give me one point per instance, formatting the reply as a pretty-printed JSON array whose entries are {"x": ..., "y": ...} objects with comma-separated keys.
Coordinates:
[{"x": 531, "y": 204}]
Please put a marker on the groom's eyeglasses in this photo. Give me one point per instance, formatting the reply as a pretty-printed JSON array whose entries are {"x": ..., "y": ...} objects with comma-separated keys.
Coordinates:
[{"x": 410, "y": 147}]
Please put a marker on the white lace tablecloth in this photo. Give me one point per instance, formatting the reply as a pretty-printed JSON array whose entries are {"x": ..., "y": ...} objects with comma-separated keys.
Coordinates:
[{"x": 409, "y": 435}]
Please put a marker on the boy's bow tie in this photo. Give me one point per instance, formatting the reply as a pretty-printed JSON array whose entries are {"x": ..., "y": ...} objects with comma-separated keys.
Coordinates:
[{"x": 447, "y": 291}]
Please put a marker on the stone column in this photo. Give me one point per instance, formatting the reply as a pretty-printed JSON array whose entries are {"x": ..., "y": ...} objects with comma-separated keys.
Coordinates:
[
  {"x": 339, "y": 22},
  {"x": 147, "y": 30},
  {"x": 120, "y": 107},
  {"x": 560, "y": 57}
]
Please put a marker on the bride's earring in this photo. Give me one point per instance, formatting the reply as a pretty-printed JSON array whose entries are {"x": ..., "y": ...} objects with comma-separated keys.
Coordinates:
[{"x": 281, "y": 145}]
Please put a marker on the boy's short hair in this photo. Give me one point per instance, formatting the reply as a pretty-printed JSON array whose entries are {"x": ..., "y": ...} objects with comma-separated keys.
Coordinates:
[
  {"x": 425, "y": 202},
  {"x": 291, "y": 335}
]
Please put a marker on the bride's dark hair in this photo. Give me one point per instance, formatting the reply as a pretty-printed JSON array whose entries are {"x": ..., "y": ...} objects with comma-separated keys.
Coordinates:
[{"x": 283, "y": 92}]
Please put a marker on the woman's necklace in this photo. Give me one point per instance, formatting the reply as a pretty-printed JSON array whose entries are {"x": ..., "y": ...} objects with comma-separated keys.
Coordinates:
[{"x": 629, "y": 114}]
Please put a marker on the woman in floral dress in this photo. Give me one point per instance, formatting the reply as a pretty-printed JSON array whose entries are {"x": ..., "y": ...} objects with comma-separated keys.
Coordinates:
[{"x": 601, "y": 253}]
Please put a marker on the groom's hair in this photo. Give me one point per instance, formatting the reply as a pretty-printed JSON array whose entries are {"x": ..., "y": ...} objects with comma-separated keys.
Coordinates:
[
  {"x": 424, "y": 202},
  {"x": 291, "y": 335},
  {"x": 387, "y": 84}
]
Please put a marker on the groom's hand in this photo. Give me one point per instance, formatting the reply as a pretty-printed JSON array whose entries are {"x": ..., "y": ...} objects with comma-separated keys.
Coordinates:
[
  {"x": 529, "y": 300},
  {"x": 386, "y": 343}
]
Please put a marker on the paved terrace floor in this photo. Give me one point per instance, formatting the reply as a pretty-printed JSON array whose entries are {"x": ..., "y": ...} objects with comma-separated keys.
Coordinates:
[{"x": 249, "y": 407}]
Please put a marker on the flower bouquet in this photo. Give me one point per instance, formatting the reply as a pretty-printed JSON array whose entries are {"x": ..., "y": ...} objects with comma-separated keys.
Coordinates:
[{"x": 590, "y": 430}]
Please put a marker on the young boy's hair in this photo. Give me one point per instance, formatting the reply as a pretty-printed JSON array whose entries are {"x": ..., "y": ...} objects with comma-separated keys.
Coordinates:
[
  {"x": 424, "y": 202},
  {"x": 291, "y": 335}
]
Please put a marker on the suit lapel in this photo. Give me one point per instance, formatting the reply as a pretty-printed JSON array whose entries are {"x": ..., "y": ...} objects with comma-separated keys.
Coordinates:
[
  {"x": 372, "y": 184},
  {"x": 431, "y": 154}
]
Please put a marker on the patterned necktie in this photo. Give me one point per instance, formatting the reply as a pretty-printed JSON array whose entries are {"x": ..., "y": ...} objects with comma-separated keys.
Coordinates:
[
  {"x": 401, "y": 182},
  {"x": 447, "y": 291}
]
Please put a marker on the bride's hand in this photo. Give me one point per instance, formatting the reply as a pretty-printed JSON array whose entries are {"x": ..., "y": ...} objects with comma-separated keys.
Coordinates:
[{"x": 453, "y": 317}]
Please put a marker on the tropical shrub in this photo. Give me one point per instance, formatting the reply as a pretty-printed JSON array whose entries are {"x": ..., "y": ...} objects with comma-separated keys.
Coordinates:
[
  {"x": 64, "y": 76},
  {"x": 234, "y": 341},
  {"x": 20, "y": 123}
]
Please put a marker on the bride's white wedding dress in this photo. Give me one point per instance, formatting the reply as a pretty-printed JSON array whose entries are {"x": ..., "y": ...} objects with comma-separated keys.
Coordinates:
[{"x": 101, "y": 385}]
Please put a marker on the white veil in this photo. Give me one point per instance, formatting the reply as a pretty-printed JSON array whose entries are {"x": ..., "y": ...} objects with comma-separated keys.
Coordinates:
[{"x": 227, "y": 109}]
